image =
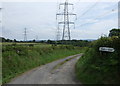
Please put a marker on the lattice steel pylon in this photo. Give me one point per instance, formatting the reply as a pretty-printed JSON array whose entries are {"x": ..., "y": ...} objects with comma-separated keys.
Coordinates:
[
  {"x": 58, "y": 33},
  {"x": 66, "y": 20},
  {"x": 25, "y": 35}
]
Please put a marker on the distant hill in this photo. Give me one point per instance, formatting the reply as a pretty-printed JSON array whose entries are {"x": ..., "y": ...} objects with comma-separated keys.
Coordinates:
[{"x": 90, "y": 39}]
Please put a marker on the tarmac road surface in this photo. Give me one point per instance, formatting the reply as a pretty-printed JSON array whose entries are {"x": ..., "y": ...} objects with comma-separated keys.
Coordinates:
[{"x": 57, "y": 72}]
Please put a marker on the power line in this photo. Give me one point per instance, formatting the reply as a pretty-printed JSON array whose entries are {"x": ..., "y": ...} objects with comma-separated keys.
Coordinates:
[
  {"x": 104, "y": 14},
  {"x": 89, "y": 8},
  {"x": 98, "y": 17}
]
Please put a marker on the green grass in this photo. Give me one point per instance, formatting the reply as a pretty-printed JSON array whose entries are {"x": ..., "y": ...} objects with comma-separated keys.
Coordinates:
[
  {"x": 97, "y": 67},
  {"x": 19, "y": 58},
  {"x": 10, "y": 43}
]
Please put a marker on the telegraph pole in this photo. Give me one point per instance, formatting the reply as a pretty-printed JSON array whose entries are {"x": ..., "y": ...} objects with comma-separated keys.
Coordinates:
[
  {"x": 66, "y": 19},
  {"x": 25, "y": 35}
]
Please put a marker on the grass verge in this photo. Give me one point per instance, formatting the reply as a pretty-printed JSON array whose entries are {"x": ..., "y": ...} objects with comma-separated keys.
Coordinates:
[
  {"x": 100, "y": 67},
  {"x": 19, "y": 58}
]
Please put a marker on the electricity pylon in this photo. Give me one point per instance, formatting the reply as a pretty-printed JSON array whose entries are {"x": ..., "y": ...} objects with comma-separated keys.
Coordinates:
[
  {"x": 66, "y": 20},
  {"x": 58, "y": 33},
  {"x": 25, "y": 35}
]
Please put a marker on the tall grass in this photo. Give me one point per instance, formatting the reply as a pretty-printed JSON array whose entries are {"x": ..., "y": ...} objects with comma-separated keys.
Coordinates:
[
  {"x": 97, "y": 67},
  {"x": 18, "y": 59}
]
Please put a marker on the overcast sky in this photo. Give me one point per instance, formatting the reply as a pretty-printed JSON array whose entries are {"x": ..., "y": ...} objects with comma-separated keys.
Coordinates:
[{"x": 93, "y": 19}]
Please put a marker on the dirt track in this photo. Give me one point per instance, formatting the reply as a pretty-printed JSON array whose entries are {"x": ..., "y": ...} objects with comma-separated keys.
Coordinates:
[{"x": 58, "y": 72}]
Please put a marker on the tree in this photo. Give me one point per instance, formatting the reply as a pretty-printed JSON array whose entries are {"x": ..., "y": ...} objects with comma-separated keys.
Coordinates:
[
  {"x": 2, "y": 39},
  {"x": 114, "y": 32},
  {"x": 15, "y": 40},
  {"x": 33, "y": 40}
]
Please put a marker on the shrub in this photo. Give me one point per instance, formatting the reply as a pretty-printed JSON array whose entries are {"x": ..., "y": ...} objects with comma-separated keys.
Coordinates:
[{"x": 97, "y": 68}]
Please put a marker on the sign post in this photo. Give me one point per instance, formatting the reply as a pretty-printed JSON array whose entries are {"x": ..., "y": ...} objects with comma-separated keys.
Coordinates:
[{"x": 106, "y": 49}]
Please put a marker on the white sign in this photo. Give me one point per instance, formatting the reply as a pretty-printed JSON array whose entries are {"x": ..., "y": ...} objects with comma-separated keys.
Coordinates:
[{"x": 107, "y": 49}]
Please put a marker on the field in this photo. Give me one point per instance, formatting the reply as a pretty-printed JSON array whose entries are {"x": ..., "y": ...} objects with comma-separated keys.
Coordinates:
[{"x": 20, "y": 57}]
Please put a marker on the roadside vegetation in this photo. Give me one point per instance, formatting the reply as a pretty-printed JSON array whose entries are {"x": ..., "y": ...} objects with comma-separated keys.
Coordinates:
[
  {"x": 96, "y": 67},
  {"x": 18, "y": 58}
]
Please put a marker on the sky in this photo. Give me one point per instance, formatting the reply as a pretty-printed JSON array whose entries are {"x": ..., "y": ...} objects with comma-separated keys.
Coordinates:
[{"x": 94, "y": 19}]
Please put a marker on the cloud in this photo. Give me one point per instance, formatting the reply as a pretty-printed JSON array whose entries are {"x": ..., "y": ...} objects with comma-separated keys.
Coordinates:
[
  {"x": 39, "y": 19},
  {"x": 57, "y": 0},
  {"x": 95, "y": 30}
]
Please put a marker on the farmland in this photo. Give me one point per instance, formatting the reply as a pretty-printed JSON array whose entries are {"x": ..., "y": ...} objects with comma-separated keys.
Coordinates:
[{"x": 21, "y": 57}]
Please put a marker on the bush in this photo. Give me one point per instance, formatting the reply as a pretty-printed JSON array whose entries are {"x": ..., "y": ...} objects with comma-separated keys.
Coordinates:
[
  {"x": 100, "y": 68},
  {"x": 113, "y": 42}
]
